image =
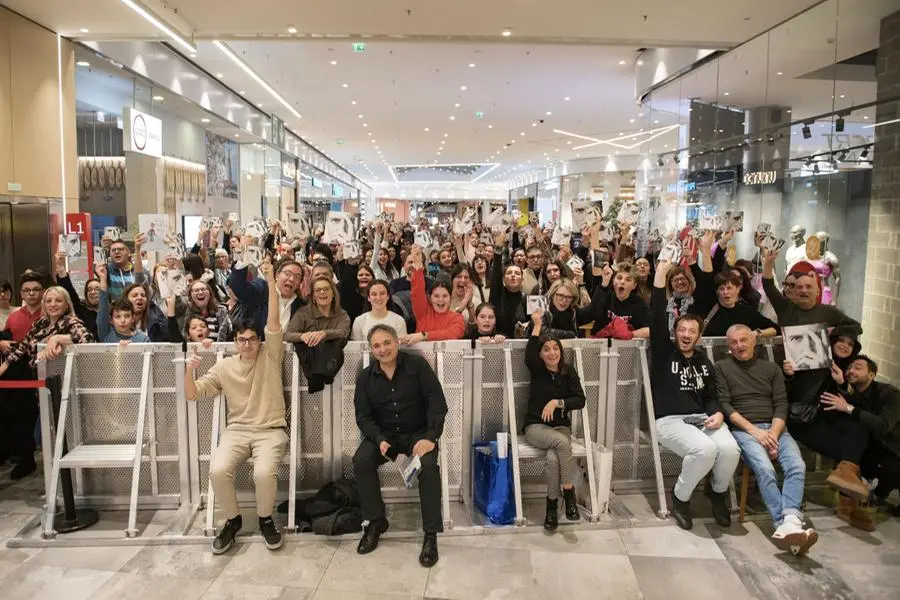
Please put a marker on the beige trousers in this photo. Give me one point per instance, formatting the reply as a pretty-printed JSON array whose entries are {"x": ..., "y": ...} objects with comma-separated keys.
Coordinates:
[{"x": 267, "y": 448}]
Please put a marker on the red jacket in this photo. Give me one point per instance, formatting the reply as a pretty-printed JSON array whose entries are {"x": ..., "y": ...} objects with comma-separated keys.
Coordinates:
[{"x": 439, "y": 326}]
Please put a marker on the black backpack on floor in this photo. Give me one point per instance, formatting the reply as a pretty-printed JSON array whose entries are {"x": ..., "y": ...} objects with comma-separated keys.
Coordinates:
[{"x": 333, "y": 510}]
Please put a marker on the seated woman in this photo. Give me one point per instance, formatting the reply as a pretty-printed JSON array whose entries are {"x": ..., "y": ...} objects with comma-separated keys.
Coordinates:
[
  {"x": 730, "y": 311},
  {"x": 379, "y": 313},
  {"x": 320, "y": 320},
  {"x": 57, "y": 327},
  {"x": 485, "y": 327},
  {"x": 564, "y": 317},
  {"x": 555, "y": 392},
  {"x": 203, "y": 304},
  {"x": 434, "y": 319}
]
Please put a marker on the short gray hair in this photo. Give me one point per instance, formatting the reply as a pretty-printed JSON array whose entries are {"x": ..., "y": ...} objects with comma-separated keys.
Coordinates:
[
  {"x": 381, "y": 327},
  {"x": 736, "y": 328}
]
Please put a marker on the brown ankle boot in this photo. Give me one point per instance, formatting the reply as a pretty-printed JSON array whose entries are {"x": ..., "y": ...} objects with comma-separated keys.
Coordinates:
[
  {"x": 845, "y": 479},
  {"x": 850, "y": 512}
]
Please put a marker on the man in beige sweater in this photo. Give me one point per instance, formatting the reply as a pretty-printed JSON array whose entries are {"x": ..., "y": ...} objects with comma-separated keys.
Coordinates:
[{"x": 251, "y": 383}]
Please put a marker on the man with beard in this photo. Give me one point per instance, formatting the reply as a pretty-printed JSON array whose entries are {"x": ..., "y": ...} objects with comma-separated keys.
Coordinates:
[
  {"x": 877, "y": 406},
  {"x": 689, "y": 421}
]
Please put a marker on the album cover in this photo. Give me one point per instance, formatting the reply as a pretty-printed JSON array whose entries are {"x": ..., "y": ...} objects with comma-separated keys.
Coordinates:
[{"x": 807, "y": 347}]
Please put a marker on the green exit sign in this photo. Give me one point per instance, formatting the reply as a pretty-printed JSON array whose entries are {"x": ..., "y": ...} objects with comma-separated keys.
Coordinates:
[
  {"x": 479, "y": 115},
  {"x": 359, "y": 46},
  {"x": 340, "y": 142}
]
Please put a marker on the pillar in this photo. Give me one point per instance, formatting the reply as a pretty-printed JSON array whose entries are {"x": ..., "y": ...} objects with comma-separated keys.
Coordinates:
[{"x": 881, "y": 297}]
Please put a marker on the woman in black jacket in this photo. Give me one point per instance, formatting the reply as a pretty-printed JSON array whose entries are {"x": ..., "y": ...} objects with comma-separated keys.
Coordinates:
[
  {"x": 507, "y": 295},
  {"x": 555, "y": 391}
]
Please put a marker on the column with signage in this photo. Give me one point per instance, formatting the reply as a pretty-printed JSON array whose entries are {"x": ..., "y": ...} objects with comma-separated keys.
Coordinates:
[{"x": 145, "y": 192}]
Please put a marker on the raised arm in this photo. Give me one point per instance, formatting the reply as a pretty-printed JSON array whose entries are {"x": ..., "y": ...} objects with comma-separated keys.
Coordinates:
[
  {"x": 273, "y": 322},
  {"x": 660, "y": 336},
  {"x": 103, "y": 307}
]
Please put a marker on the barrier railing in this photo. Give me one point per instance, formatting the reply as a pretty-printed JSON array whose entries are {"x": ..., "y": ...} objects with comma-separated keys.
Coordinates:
[{"x": 178, "y": 436}]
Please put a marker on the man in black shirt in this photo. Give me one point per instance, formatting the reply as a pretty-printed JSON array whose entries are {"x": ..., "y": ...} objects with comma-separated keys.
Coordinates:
[
  {"x": 729, "y": 311},
  {"x": 400, "y": 408},
  {"x": 689, "y": 421}
]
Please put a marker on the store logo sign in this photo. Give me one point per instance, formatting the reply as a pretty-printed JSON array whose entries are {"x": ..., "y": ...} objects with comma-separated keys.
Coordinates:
[
  {"x": 143, "y": 133},
  {"x": 288, "y": 171},
  {"x": 760, "y": 177}
]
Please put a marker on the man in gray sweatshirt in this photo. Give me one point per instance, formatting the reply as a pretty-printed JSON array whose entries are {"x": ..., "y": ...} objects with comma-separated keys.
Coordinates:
[{"x": 753, "y": 399}]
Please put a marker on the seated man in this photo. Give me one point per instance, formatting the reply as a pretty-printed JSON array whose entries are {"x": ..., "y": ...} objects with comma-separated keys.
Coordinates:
[
  {"x": 251, "y": 382},
  {"x": 877, "y": 406},
  {"x": 753, "y": 398},
  {"x": 400, "y": 408},
  {"x": 688, "y": 417}
]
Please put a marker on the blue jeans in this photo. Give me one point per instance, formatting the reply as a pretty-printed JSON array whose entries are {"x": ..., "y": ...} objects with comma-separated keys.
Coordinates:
[{"x": 786, "y": 501}]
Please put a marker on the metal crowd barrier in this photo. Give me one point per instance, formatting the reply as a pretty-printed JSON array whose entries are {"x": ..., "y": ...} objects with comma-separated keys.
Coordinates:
[{"x": 108, "y": 385}]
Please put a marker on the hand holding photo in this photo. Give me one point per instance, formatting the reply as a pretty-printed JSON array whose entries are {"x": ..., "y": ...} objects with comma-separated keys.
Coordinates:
[
  {"x": 575, "y": 263},
  {"x": 300, "y": 256},
  {"x": 763, "y": 229},
  {"x": 256, "y": 229},
  {"x": 351, "y": 250},
  {"x": 252, "y": 256},
  {"x": 113, "y": 233},
  {"x": 339, "y": 228},
  {"x": 423, "y": 239},
  {"x": 736, "y": 222},
  {"x": 101, "y": 255},
  {"x": 599, "y": 258},
  {"x": 672, "y": 252},
  {"x": 71, "y": 244},
  {"x": 807, "y": 347},
  {"x": 629, "y": 213},
  {"x": 155, "y": 228},
  {"x": 536, "y": 303}
]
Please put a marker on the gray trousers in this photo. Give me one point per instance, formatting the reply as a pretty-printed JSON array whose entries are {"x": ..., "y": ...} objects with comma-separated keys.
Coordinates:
[{"x": 557, "y": 441}]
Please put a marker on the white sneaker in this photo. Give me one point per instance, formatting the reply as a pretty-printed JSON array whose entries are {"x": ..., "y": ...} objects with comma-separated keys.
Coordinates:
[{"x": 792, "y": 536}]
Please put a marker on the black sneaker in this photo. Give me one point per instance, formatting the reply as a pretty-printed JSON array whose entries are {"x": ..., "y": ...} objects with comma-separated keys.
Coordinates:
[
  {"x": 682, "y": 513},
  {"x": 225, "y": 540},
  {"x": 720, "y": 510},
  {"x": 270, "y": 533},
  {"x": 371, "y": 535}
]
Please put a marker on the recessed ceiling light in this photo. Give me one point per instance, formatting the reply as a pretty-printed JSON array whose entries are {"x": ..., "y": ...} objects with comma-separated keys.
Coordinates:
[
  {"x": 549, "y": 113},
  {"x": 566, "y": 98},
  {"x": 490, "y": 126},
  {"x": 353, "y": 102},
  {"x": 456, "y": 105},
  {"x": 360, "y": 116},
  {"x": 84, "y": 30},
  {"x": 521, "y": 133},
  {"x": 534, "y": 124},
  {"x": 83, "y": 63},
  {"x": 219, "y": 75},
  {"x": 345, "y": 85},
  {"x": 292, "y": 29},
  {"x": 446, "y": 135},
  {"x": 427, "y": 129},
  {"x": 843, "y": 95},
  {"x": 259, "y": 105},
  {"x": 622, "y": 62},
  {"x": 656, "y": 122},
  {"x": 507, "y": 32},
  {"x": 237, "y": 135},
  {"x": 865, "y": 116},
  {"x": 463, "y": 88},
  {"x": 779, "y": 73},
  {"x": 334, "y": 62},
  {"x": 204, "y": 120},
  {"x": 158, "y": 98},
  {"x": 452, "y": 118},
  {"x": 726, "y": 94}
]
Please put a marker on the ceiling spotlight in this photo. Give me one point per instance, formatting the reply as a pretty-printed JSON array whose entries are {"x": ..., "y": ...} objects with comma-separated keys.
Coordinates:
[
  {"x": 345, "y": 85},
  {"x": 771, "y": 141},
  {"x": 471, "y": 65},
  {"x": 259, "y": 105},
  {"x": 463, "y": 88},
  {"x": 839, "y": 124},
  {"x": 292, "y": 29},
  {"x": 360, "y": 116},
  {"x": 427, "y": 129},
  {"x": 864, "y": 153},
  {"x": 158, "y": 98},
  {"x": 807, "y": 133},
  {"x": 507, "y": 32},
  {"x": 779, "y": 73},
  {"x": 622, "y": 62},
  {"x": 204, "y": 120},
  {"x": 490, "y": 126},
  {"x": 660, "y": 161},
  {"x": 84, "y": 30},
  {"x": 452, "y": 118},
  {"x": 334, "y": 62},
  {"x": 83, "y": 63},
  {"x": 456, "y": 105},
  {"x": 219, "y": 75},
  {"x": 237, "y": 135}
]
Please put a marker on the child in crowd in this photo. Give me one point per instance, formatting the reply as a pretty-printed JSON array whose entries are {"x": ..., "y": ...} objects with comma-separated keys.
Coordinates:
[{"x": 116, "y": 325}]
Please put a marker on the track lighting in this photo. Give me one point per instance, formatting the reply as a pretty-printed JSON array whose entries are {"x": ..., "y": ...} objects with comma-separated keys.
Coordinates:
[
  {"x": 839, "y": 124},
  {"x": 864, "y": 153},
  {"x": 806, "y": 131},
  {"x": 660, "y": 161}
]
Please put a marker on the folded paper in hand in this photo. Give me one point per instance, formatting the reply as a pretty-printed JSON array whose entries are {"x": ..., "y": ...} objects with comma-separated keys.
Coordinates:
[
  {"x": 536, "y": 303},
  {"x": 410, "y": 471}
]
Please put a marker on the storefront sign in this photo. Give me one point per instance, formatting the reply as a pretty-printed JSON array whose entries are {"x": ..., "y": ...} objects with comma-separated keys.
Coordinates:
[
  {"x": 143, "y": 133},
  {"x": 681, "y": 186},
  {"x": 317, "y": 183},
  {"x": 337, "y": 191},
  {"x": 359, "y": 46},
  {"x": 336, "y": 207},
  {"x": 288, "y": 171},
  {"x": 760, "y": 177},
  {"x": 277, "y": 132}
]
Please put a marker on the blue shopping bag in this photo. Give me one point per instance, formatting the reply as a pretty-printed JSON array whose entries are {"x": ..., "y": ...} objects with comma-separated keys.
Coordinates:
[{"x": 493, "y": 488}]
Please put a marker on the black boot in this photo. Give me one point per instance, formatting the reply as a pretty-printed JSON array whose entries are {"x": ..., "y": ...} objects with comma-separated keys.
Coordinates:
[
  {"x": 371, "y": 535},
  {"x": 720, "y": 510},
  {"x": 551, "y": 521},
  {"x": 682, "y": 513},
  {"x": 571, "y": 504},
  {"x": 429, "y": 555}
]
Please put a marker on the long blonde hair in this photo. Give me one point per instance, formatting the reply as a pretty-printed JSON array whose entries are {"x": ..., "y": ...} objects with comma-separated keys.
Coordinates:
[
  {"x": 569, "y": 285},
  {"x": 70, "y": 310}
]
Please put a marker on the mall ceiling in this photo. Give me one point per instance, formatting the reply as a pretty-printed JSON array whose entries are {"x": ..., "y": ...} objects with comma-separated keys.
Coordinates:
[{"x": 440, "y": 83}]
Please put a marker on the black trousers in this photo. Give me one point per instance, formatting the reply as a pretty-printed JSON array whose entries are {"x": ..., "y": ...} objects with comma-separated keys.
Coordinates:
[
  {"x": 19, "y": 414},
  {"x": 834, "y": 435},
  {"x": 366, "y": 461},
  {"x": 880, "y": 462}
]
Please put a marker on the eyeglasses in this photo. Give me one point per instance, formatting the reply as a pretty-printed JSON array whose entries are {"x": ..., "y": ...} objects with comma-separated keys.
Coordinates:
[
  {"x": 535, "y": 257},
  {"x": 291, "y": 274},
  {"x": 564, "y": 296},
  {"x": 32, "y": 290},
  {"x": 119, "y": 249},
  {"x": 322, "y": 290},
  {"x": 246, "y": 341}
]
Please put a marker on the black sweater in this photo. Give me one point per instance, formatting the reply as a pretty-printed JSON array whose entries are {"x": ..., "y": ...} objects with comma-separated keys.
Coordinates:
[
  {"x": 738, "y": 314},
  {"x": 546, "y": 386},
  {"x": 509, "y": 306},
  {"x": 681, "y": 385},
  {"x": 632, "y": 310}
]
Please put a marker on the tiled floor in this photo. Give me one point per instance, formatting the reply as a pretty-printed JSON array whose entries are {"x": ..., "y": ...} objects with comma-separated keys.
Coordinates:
[{"x": 631, "y": 555}]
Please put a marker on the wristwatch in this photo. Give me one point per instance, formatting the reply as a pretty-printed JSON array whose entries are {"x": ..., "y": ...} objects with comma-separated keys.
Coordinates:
[{"x": 561, "y": 404}]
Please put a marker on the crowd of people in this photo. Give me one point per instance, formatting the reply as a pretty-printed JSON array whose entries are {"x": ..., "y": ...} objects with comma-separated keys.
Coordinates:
[{"x": 477, "y": 285}]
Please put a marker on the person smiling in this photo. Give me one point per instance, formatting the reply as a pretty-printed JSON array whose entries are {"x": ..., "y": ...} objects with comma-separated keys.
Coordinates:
[
  {"x": 379, "y": 298},
  {"x": 730, "y": 311},
  {"x": 434, "y": 319},
  {"x": 689, "y": 420}
]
